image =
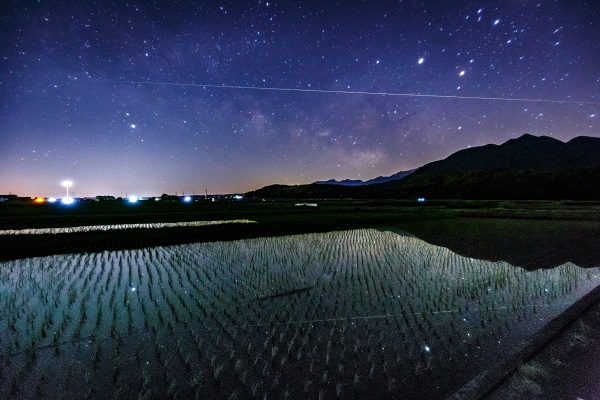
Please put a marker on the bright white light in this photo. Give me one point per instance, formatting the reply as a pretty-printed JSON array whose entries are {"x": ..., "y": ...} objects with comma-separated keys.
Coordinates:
[
  {"x": 67, "y": 200},
  {"x": 133, "y": 289},
  {"x": 238, "y": 197},
  {"x": 133, "y": 199},
  {"x": 132, "y": 126},
  {"x": 421, "y": 60},
  {"x": 187, "y": 199},
  {"x": 461, "y": 73},
  {"x": 67, "y": 184},
  {"x": 52, "y": 200},
  {"x": 427, "y": 349}
]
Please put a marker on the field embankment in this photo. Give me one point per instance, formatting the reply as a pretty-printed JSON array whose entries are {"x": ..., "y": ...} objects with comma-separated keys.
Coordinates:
[{"x": 277, "y": 218}]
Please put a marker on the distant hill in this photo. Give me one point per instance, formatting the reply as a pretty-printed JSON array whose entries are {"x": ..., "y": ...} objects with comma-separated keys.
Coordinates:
[
  {"x": 525, "y": 152},
  {"x": 345, "y": 182},
  {"x": 357, "y": 182},
  {"x": 529, "y": 167}
]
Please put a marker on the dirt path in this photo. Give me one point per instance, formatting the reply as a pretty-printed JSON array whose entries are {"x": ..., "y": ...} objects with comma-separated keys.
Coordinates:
[{"x": 568, "y": 368}]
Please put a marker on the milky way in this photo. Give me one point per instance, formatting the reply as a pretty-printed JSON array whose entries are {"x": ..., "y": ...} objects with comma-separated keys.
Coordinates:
[{"x": 229, "y": 96}]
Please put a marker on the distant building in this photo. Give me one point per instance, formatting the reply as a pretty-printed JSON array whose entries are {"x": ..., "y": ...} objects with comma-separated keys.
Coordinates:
[{"x": 105, "y": 198}]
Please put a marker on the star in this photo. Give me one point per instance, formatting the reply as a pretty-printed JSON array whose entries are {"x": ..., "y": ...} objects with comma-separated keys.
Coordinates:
[{"x": 147, "y": 82}]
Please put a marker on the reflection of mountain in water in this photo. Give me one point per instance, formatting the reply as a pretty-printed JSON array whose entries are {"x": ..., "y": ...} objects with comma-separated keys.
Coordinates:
[
  {"x": 530, "y": 244},
  {"x": 342, "y": 314}
]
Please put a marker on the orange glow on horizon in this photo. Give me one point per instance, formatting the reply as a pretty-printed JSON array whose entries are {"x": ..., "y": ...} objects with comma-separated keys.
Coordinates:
[{"x": 39, "y": 200}]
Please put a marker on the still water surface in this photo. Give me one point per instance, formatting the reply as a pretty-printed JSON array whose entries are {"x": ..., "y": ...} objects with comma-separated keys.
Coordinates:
[{"x": 339, "y": 314}]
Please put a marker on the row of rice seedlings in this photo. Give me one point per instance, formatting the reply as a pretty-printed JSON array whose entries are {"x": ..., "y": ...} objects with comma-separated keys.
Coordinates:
[
  {"x": 91, "y": 228},
  {"x": 446, "y": 294},
  {"x": 68, "y": 320},
  {"x": 538, "y": 291},
  {"x": 176, "y": 295},
  {"x": 274, "y": 347},
  {"x": 368, "y": 306}
]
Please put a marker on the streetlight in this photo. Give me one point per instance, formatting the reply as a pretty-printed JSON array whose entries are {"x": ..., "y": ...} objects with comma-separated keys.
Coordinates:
[{"x": 67, "y": 184}]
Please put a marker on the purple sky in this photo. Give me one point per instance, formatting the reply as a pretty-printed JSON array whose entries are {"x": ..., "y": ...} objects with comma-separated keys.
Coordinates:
[{"x": 72, "y": 108}]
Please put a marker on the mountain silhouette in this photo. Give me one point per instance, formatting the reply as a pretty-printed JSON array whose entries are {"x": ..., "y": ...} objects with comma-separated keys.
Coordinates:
[
  {"x": 528, "y": 167},
  {"x": 358, "y": 182},
  {"x": 525, "y": 152}
]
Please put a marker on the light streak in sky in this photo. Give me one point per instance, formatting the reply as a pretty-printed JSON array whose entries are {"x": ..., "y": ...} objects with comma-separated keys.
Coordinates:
[{"x": 393, "y": 94}]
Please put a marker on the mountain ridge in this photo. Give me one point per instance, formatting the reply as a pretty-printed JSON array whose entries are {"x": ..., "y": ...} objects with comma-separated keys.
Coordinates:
[
  {"x": 527, "y": 167},
  {"x": 358, "y": 182},
  {"x": 524, "y": 152}
]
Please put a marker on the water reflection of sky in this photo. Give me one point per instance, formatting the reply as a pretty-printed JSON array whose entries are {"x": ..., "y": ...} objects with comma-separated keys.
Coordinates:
[
  {"x": 531, "y": 244},
  {"x": 355, "y": 312}
]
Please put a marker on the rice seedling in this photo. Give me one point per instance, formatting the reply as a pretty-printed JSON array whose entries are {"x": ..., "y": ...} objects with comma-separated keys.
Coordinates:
[{"x": 350, "y": 310}]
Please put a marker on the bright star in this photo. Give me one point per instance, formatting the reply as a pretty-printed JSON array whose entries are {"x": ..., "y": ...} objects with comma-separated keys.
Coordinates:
[
  {"x": 133, "y": 126},
  {"x": 461, "y": 73},
  {"x": 496, "y": 22},
  {"x": 421, "y": 60}
]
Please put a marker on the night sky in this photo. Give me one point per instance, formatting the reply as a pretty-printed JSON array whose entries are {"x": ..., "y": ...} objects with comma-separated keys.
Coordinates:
[{"x": 125, "y": 97}]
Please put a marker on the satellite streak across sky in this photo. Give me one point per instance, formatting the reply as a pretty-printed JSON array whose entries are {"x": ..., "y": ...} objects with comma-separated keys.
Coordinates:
[
  {"x": 392, "y": 94},
  {"x": 229, "y": 96}
]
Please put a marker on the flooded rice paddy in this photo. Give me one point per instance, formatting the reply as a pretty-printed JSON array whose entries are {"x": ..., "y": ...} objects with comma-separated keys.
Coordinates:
[{"x": 330, "y": 315}]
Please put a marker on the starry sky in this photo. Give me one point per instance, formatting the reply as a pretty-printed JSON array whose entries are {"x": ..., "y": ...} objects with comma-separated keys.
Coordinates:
[{"x": 160, "y": 97}]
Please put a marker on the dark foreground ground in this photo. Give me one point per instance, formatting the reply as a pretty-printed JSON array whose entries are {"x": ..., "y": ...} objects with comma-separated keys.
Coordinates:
[
  {"x": 566, "y": 368},
  {"x": 272, "y": 219},
  {"x": 528, "y": 234}
]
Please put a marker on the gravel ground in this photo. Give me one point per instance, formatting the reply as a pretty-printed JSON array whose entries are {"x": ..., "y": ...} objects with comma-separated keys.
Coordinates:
[{"x": 568, "y": 368}]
